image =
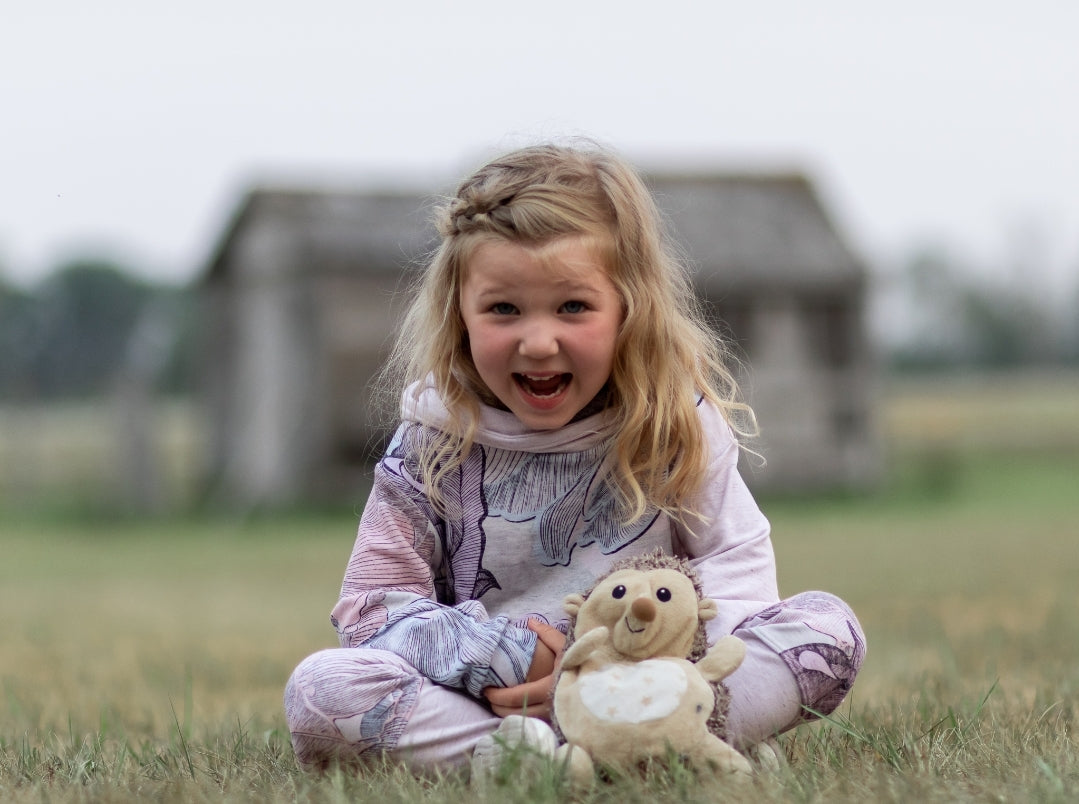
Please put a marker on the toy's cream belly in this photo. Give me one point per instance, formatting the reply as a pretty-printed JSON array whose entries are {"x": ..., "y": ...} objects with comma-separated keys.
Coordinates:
[{"x": 633, "y": 693}]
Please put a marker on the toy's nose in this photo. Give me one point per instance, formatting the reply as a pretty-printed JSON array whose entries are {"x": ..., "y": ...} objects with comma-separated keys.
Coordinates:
[{"x": 643, "y": 609}]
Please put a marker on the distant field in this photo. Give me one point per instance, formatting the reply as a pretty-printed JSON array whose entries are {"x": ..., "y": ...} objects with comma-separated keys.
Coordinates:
[
  {"x": 1026, "y": 411},
  {"x": 82, "y": 454},
  {"x": 146, "y": 658}
]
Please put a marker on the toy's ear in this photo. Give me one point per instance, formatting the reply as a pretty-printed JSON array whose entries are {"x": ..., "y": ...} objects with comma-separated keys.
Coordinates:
[
  {"x": 707, "y": 609},
  {"x": 572, "y": 604}
]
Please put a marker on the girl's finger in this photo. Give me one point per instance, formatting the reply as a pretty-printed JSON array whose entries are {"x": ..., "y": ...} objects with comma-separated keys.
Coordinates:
[{"x": 548, "y": 635}]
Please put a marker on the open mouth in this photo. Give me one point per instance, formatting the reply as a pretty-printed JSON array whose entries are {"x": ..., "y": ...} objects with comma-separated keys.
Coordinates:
[{"x": 542, "y": 386}]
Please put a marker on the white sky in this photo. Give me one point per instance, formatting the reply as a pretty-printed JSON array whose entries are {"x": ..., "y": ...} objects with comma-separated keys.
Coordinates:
[{"x": 130, "y": 129}]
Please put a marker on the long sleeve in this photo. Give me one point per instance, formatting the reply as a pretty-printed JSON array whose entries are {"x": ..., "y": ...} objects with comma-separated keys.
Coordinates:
[
  {"x": 728, "y": 542},
  {"x": 388, "y": 597}
]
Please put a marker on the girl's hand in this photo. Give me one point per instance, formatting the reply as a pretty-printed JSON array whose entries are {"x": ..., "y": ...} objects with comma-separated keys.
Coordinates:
[{"x": 533, "y": 697}]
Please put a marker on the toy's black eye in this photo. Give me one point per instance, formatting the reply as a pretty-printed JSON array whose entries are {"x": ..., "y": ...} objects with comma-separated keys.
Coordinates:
[
  {"x": 663, "y": 594},
  {"x": 618, "y": 592}
]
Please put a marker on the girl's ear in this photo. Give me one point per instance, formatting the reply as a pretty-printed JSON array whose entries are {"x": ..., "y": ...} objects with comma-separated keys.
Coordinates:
[
  {"x": 572, "y": 604},
  {"x": 707, "y": 609}
]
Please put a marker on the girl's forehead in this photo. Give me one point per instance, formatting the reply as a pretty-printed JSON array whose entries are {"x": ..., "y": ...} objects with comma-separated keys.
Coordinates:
[{"x": 572, "y": 257}]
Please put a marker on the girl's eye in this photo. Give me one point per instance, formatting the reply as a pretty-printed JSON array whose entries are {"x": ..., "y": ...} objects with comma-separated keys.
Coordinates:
[
  {"x": 574, "y": 307},
  {"x": 618, "y": 592},
  {"x": 503, "y": 308}
]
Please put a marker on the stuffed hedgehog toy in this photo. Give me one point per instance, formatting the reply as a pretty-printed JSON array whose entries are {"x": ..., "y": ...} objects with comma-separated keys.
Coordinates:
[{"x": 638, "y": 680}]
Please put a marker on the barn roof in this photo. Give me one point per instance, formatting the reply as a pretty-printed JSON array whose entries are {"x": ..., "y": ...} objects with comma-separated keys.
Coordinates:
[
  {"x": 381, "y": 231},
  {"x": 754, "y": 229},
  {"x": 738, "y": 231}
]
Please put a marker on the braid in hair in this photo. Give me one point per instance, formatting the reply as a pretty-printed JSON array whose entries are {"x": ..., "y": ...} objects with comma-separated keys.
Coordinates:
[
  {"x": 473, "y": 213},
  {"x": 531, "y": 196}
]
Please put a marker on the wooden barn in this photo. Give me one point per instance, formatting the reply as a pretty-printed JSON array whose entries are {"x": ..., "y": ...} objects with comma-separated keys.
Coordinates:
[{"x": 305, "y": 288}]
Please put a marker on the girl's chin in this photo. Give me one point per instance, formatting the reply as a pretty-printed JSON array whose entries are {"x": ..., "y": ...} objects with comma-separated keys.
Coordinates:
[{"x": 538, "y": 411}]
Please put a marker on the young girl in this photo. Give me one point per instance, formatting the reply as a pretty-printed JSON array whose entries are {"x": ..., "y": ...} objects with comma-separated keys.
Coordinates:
[{"x": 564, "y": 406}]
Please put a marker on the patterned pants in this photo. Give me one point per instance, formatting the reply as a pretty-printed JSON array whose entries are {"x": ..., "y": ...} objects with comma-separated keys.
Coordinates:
[{"x": 353, "y": 704}]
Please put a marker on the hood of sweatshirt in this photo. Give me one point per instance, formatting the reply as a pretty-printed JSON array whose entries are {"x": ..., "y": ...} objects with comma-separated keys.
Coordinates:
[{"x": 501, "y": 429}]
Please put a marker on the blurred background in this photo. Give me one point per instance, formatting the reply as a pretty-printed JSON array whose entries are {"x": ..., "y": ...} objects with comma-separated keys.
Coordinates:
[{"x": 206, "y": 213}]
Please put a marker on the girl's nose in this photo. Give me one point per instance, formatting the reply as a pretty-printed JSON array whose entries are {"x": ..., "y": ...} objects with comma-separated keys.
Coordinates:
[{"x": 538, "y": 341}]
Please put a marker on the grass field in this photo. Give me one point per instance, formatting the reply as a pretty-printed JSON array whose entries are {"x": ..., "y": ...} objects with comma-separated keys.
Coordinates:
[{"x": 146, "y": 659}]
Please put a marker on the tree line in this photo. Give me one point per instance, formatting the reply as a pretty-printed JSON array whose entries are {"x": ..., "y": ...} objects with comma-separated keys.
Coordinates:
[
  {"x": 72, "y": 334},
  {"x": 949, "y": 312}
]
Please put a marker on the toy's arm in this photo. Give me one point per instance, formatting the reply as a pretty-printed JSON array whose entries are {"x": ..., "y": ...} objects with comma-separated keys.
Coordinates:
[
  {"x": 722, "y": 659},
  {"x": 580, "y": 651}
]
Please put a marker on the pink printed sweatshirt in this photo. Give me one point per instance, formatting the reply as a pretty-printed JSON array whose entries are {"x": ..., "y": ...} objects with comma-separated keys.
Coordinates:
[{"x": 529, "y": 519}]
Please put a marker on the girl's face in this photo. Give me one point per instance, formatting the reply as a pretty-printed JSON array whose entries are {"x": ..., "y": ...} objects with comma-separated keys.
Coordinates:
[{"x": 542, "y": 324}]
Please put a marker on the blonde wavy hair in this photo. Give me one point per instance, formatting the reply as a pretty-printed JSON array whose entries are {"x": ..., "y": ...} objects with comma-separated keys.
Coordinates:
[{"x": 666, "y": 355}]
